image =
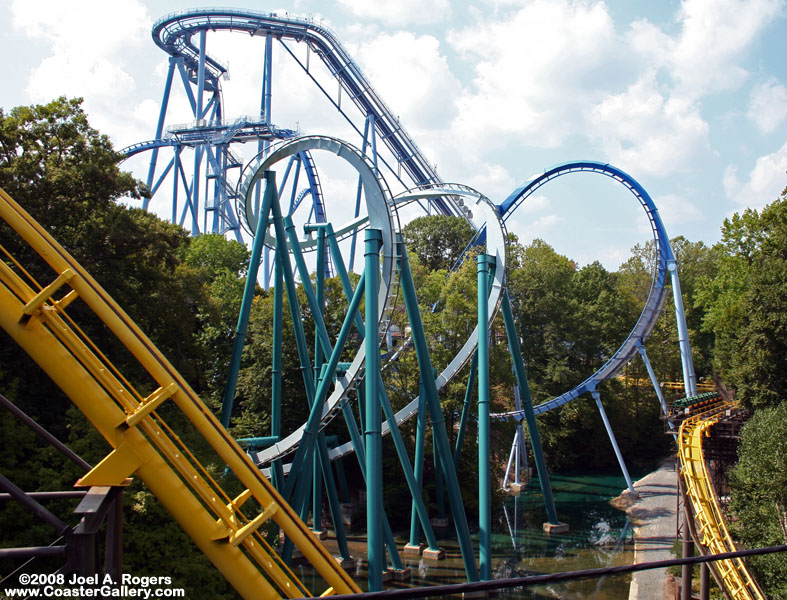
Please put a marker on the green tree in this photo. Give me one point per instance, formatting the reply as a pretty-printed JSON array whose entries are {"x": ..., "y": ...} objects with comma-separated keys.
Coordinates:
[
  {"x": 744, "y": 304},
  {"x": 65, "y": 174},
  {"x": 759, "y": 494},
  {"x": 438, "y": 240}
]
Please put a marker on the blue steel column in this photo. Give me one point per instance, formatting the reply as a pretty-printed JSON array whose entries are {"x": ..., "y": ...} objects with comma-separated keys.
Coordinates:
[
  {"x": 175, "y": 172},
  {"x": 373, "y": 433},
  {"x": 160, "y": 129},
  {"x": 654, "y": 380},
  {"x": 484, "y": 457},
  {"x": 597, "y": 397},
  {"x": 689, "y": 378},
  {"x": 198, "y": 149}
]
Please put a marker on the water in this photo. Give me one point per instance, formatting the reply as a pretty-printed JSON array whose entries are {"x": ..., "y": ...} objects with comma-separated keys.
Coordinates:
[{"x": 599, "y": 536}]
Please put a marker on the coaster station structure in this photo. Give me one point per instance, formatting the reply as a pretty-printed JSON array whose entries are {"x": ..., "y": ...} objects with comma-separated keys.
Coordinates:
[{"x": 263, "y": 198}]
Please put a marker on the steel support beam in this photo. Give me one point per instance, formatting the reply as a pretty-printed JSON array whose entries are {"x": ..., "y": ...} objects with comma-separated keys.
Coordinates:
[
  {"x": 373, "y": 432},
  {"x": 611, "y": 434},
  {"x": 484, "y": 435}
]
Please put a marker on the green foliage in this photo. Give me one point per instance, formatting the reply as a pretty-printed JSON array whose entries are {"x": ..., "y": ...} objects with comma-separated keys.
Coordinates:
[
  {"x": 744, "y": 304},
  {"x": 437, "y": 240},
  {"x": 66, "y": 175},
  {"x": 59, "y": 168},
  {"x": 759, "y": 494}
]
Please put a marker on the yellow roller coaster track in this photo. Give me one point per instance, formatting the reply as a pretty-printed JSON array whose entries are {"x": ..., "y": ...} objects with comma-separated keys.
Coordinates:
[
  {"x": 710, "y": 532},
  {"x": 143, "y": 444},
  {"x": 702, "y": 386}
]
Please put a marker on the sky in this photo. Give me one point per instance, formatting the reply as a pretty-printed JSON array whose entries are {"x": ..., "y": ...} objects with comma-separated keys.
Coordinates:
[{"x": 689, "y": 98}]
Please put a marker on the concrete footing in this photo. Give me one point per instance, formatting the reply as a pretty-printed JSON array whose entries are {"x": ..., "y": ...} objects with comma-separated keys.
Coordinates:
[
  {"x": 550, "y": 528},
  {"x": 429, "y": 554},
  {"x": 400, "y": 574},
  {"x": 514, "y": 489},
  {"x": 410, "y": 550}
]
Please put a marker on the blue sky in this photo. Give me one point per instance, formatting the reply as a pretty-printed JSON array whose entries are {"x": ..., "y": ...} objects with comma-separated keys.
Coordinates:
[{"x": 689, "y": 97}]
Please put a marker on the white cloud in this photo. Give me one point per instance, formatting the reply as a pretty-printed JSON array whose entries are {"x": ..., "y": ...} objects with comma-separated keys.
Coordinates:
[
  {"x": 91, "y": 51},
  {"x": 87, "y": 53},
  {"x": 714, "y": 40},
  {"x": 528, "y": 230},
  {"x": 399, "y": 12},
  {"x": 768, "y": 105},
  {"x": 645, "y": 131},
  {"x": 535, "y": 203},
  {"x": 708, "y": 53},
  {"x": 534, "y": 70},
  {"x": 412, "y": 76},
  {"x": 78, "y": 75},
  {"x": 611, "y": 257},
  {"x": 677, "y": 210},
  {"x": 765, "y": 181}
]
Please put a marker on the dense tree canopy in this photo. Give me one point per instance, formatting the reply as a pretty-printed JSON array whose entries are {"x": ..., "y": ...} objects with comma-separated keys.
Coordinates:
[
  {"x": 759, "y": 498},
  {"x": 438, "y": 240},
  {"x": 744, "y": 304}
]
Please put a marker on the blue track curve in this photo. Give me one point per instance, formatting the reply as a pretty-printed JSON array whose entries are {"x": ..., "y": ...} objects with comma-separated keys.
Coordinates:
[
  {"x": 173, "y": 34},
  {"x": 655, "y": 302}
]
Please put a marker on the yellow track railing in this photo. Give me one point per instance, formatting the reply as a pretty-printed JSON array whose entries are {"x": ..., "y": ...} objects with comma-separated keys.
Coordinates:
[
  {"x": 143, "y": 444},
  {"x": 710, "y": 528}
]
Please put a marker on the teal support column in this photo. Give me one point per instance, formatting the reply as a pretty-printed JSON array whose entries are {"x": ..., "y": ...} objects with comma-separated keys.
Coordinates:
[
  {"x": 318, "y": 362},
  {"x": 268, "y": 200},
  {"x": 484, "y": 452},
  {"x": 413, "y": 485},
  {"x": 554, "y": 523},
  {"x": 439, "y": 488},
  {"x": 341, "y": 270},
  {"x": 436, "y": 413},
  {"x": 466, "y": 406},
  {"x": 360, "y": 454},
  {"x": 297, "y": 482},
  {"x": 277, "y": 474},
  {"x": 344, "y": 491},
  {"x": 420, "y": 442},
  {"x": 373, "y": 433}
]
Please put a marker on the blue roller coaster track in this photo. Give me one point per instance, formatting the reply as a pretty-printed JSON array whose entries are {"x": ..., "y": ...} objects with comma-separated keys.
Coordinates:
[
  {"x": 211, "y": 137},
  {"x": 664, "y": 267}
]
